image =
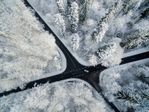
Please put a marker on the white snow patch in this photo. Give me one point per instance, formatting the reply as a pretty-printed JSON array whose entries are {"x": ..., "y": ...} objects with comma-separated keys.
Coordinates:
[
  {"x": 27, "y": 52},
  {"x": 129, "y": 83},
  {"x": 70, "y": 95}
]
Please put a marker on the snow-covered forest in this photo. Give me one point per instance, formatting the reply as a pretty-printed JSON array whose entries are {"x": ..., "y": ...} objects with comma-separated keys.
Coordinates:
[
  {"x": 27, "y": 52},
  {"x": 72, "y": 95},
  {"x": 88, "y": 26},
  {"x": 74, "y": 55},
  {"x": 128, "y": 86}
]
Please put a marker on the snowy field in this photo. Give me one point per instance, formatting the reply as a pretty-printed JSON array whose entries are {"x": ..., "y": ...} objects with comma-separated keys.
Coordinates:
[
  {"x": 27, "y": 52},
  {"x": 71, "y": 95},
  {"x": 127, "y": 86},
  {"x": 97, "y": 31}
]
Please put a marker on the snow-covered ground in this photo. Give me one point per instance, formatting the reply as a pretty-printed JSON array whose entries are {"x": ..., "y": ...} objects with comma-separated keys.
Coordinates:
[
  {"x": 127, "y": 86},
  {"x": 27, "y": 52},
  {"x": 71, "y": 95},
  {"x": 97, "y": 31}
]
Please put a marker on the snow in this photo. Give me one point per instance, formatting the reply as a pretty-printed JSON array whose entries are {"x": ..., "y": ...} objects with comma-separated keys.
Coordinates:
[
  {"x": 75, "y": 41},
  {"x": 64, "y": 96},
  {"x": 95, "y": 32},
  {"x": 135, "y": 52},
  {"x": 102, "y": 21},
  {"x": 74, "y": 16},
  {"x": 27, "y": 52},
  {"x": 61, "y": 5},
  {"x": 58, "y": 19},
  {"x": 93, "y": 60},
  {"x": 127, "y": 85},
  {"x": 111, "y": 53}
]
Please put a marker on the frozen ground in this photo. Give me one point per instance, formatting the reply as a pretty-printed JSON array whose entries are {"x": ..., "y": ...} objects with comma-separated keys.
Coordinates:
[
  {"x": 71, "y": 95},
  {"x": 27, "y": 52},
  {"x": 127, "y": 86},
  {"x": 97, "y": 31}
]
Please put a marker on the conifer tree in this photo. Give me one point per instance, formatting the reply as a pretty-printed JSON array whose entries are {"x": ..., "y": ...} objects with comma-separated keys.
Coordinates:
[{"x": 74, "y": 16}]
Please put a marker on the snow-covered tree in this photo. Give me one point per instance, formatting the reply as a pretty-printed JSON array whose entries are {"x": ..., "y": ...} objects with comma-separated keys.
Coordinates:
[
  {"x": 60, "y": 22},
  {"x": 131, "y": 25},
  {"x": 93, "y": 59},
  {"x": 83, "y": 9},
  {"x": 138, "y": 37},
  {"x": 131, "y": 5},
  {"x": 142, "y": 71},
  {"x": 111, "y": 53},
  {"x": 122, "y": 86},
  {"x": 76, "y": 96},
  {"x": 61, "y": 6},
  {"x": 103, "y": 25},
  {"x": 75, "y": 41},
  {"x": 25, "y": 48},
  {"x": 136, "y": 95},
  {"x": 74, "y": 16},
  {"x": 139, "y": 41},
  {"x": 97, "y": 21}
]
